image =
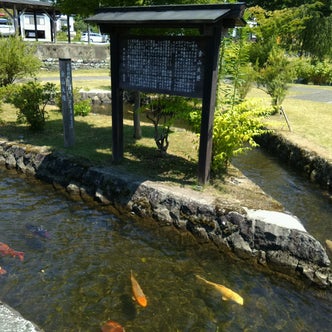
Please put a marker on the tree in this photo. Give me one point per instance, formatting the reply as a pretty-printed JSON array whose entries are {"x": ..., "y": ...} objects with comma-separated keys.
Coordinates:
[
  {"x": 272, "y": 5},
  {"x": 162, "y": 111},
  {"x": 18, "y": 60},
  {"x": 274, "y": 78},
  {"x": 88, "y": 7},
  {"x": 305, "y": 29}
]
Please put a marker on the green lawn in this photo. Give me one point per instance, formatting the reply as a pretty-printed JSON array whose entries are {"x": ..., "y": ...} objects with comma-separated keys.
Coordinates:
[{"x": 310, "y": 121}]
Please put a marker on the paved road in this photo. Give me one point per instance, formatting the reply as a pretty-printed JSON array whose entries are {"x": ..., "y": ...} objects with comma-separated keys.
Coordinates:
[
  {"x": 313, "y": 93},
  {"x": 321, "y": 94}
]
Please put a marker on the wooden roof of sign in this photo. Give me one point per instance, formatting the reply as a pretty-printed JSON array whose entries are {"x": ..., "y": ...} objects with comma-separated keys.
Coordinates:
[{"x": 229, "y": 15}]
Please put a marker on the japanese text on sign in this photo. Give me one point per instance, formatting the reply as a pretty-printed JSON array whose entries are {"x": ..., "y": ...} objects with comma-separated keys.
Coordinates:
[{"x": 172, "y": 66}]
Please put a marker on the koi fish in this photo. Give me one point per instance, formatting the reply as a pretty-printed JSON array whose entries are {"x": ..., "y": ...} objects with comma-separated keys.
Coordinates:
[
  {"x": 329, "y": 245},
  {"x": 6, "y": 250},
  {"x": 111, "y": 326},
  {"x": 2, "y": 271},
  {"x": 38, "y": 230},
  {"x": 226, "y": 293},
  {"x": 137, "y": 291}
]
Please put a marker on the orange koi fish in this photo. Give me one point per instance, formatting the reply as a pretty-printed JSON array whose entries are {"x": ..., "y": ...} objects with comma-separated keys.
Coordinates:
[
  {"x": 2, "y": 271},
  {"x": 6, "y": 250},
  {"x": 111, "y": 326},
  {"x": 226, "y": 293},
  {"x": 137, "y": 291}
]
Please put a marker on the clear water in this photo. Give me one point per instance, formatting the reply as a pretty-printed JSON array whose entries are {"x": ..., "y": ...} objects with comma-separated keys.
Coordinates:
[
  {"x": 300, "y": 197},
  {"x": 80, "y": 277}
]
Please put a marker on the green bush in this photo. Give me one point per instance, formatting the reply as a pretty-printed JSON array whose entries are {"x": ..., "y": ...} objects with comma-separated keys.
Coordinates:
[
  {"x": 318, "y": 73},
  {"x": 18, "y": 60},
  {"x": 234, "y": 131},
  {"x": 31, "y": 99},
  {"x": 81, "y": 107}
]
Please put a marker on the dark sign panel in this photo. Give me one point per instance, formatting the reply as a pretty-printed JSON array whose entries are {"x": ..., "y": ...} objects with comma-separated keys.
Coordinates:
[{"x": 163, "y": 65}]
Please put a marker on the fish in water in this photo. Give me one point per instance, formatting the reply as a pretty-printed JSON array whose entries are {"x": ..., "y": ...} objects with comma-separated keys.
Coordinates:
[
  {"x": 329, "y": 245},
  {"x": 226, "y": 293},
  {"x": 137, "y": 291},
  {"x": 111, "y": 326},
  {"x": 2, "y": 271},
  {"x": 38, "y": 231},
  {"x": 6, "y": 250}
]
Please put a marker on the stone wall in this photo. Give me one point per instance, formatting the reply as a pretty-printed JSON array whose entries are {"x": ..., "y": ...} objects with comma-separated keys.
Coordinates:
[
  {"x": 83, "y": 56},
  {"x": 312, "y": 166},
  {"x": 257, "y": 236}
]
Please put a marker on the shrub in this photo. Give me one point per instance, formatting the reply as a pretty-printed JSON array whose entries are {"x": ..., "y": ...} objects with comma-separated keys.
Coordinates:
[
  {"x": 234, "y": 131},
  {"x": 81, "y": 107},
  {"x": 31, "y": 99},
  {"x": 319, "y": 73},
  {"x": 17, "y": 60}
]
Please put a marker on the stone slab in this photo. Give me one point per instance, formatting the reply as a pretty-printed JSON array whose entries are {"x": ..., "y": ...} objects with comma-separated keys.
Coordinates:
[{"x": 13, "y": 321}]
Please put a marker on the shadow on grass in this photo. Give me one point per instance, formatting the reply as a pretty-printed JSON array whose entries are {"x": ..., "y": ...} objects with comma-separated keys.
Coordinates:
[{"x": 94, "y": 144}]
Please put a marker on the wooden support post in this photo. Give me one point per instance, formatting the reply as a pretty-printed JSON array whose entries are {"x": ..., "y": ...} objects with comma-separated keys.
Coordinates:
[
  {"x": 117, "y": 100},
  {"x": 209, "y": 101}
]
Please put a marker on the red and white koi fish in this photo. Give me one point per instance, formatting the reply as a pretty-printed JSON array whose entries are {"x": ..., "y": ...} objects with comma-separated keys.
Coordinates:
[
  {"x": 137, "y": 291},
  {"x": 226, "y": 293},
  {"x": 2, "y": 271},
  {"x": 6, "y": 250},
  {"x": 111, "y": 326}
]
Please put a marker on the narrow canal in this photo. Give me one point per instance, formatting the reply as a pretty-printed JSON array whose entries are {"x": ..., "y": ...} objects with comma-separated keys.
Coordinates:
[{"x": 79, "y": 276}]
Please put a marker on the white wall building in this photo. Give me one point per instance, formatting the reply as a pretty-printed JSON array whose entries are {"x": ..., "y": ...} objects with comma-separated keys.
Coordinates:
[{"x": 44, "y": 26}]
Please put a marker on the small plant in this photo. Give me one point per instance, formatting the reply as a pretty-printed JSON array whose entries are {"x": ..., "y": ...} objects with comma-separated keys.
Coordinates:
[
  {"x": 82, "y": 107},
  {"x": 162, "y": 111},
  {"x": 31, "y": 99}
]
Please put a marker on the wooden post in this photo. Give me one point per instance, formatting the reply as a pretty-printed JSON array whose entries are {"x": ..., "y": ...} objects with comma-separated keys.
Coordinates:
[
  {"x": 117, "y": 100},
  {"x": 67, "y": 101},
  {"x": 208, "y": 105}
]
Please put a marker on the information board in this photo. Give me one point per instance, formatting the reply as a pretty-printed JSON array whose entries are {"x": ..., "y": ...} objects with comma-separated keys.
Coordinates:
[{"x": 163, "y": 65}]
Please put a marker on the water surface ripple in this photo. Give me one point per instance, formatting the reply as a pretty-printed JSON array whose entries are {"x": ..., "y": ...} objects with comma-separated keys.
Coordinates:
[{"x": 80, "y": 277}]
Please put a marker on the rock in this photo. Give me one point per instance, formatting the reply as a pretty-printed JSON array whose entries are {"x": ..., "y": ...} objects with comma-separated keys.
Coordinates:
[{"x": 11, "y": 320}]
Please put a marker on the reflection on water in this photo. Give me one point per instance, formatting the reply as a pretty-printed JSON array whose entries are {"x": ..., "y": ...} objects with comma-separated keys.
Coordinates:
[
  {"x": 80, "y": 276},
  {"x": 297, "y": 195}
]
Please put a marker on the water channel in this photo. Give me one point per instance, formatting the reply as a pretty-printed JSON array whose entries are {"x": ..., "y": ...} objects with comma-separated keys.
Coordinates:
[{"x": 80, "y": 276}]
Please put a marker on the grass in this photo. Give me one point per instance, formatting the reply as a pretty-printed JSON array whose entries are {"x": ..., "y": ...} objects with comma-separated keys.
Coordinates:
[
  {"x": 310, "y": 121},
  {"x": 93, "y": 137},
  {"x": 82, "y": 79}
]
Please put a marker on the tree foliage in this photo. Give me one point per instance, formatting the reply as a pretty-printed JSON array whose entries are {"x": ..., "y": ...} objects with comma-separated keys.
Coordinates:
[
  {"x": 162, "y": 111},
  {"x": 18, "y": 60},
  {"x": 88, "y": 7},
  {"x": 304, "y": 29},
  {"x": 275, "y": 75}
]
